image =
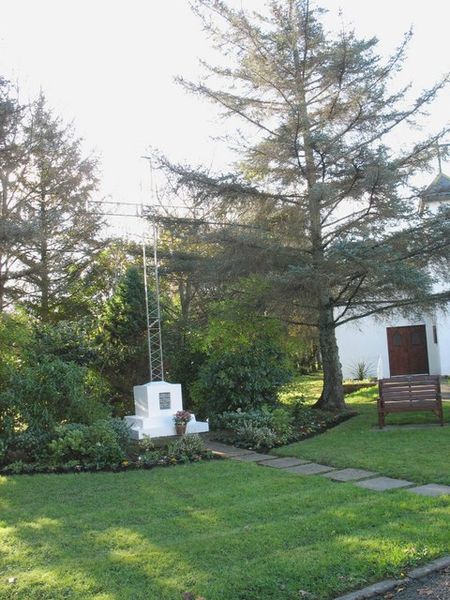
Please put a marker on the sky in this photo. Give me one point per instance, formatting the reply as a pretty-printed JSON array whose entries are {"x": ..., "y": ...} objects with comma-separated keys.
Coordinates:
[{"x": 109, "y": 66}]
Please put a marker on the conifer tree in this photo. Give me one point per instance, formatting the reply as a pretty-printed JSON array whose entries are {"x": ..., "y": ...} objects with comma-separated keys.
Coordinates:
[
  {"x": 56, "y": 185},
  {"x": 13, "y": 158},
  {"x": 329, "y": 201}
]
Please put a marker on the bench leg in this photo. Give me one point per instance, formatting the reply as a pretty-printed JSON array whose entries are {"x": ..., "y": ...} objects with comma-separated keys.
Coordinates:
[{"x": 380, "y": 420}]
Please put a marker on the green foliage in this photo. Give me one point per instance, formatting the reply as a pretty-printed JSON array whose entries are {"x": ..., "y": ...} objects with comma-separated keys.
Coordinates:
[
  {"x": 122, "y": 339},
  {"x": 151, "y": 458},
  {"x": 319, "y": 204},
  {"x": 362, "y": 370},
  {"x": 42, "y": 378},
  {"x": 245, "y": 378},
  {"x": 98, "y": 443},
  {"x": 183, "y": 356},
  {"x": 146, "y": 444},
  {"x": 70, "y": 341},
  {"x": 255, "y": 437},
  {"x": 271, "y": 427},
  {"x": 282, "y": 424},
  {"x": 186, "y": 448},
  {"x": 56, "y": 184},
  {"x": 52, "y": 391},
  {"x": 246, "y": 361},
  {"x": 122, "y": 431},
  {"x": 256, "y": 429},
  {"x": 233, "y": 419},
  {"x": 31, "y": 445}
]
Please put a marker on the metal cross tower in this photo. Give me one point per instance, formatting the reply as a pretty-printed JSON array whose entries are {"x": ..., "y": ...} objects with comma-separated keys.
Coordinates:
[
  {"x": 153, "y": 313},
  {"x": 154, "y": 335}
]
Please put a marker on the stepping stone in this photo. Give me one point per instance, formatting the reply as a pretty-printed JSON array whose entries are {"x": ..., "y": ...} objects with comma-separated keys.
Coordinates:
[
  {"x": 431, "y": 489},
  {"x": 381, "y": 484},
  {"x": 309, "y": 469},
  {"x": 253, "y": 457},
  {"x": 281, "y": 463},
  {"x": 227, "y": 450},
  {"x": 349, "y": 474}
]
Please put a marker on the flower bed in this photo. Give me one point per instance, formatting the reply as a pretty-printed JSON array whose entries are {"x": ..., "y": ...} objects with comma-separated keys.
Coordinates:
[
  {"x": 265, "y": 429},
  {"x": 103, "y": 446}
]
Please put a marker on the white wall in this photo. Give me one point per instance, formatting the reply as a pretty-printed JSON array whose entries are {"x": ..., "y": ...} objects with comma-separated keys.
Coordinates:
[
  {"x": 443, "y": 335},
  {"x": 366, "y": 340}
]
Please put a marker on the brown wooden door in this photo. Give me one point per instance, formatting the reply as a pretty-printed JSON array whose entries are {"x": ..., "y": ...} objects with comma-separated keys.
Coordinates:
[{"x": 407, "y": 348}]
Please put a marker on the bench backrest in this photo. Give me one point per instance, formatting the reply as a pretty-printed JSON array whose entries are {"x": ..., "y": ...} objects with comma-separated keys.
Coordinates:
[{"x": 408, "y": 388}]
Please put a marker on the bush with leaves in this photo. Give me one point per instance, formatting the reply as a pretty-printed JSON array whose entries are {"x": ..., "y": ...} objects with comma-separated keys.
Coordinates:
[
  {"x": 49, "y": 391},
  {"x": 30, "y": 445},
  {"x": 246, "y": 361},
  {"x": 244, "y": 378},
  {"x": 98, "y": 443},
  {"x": 282, "y": 424},
  {"x": 186, "y": 449},
  {"x": 231, "y": 420},
  {"x": 264, "y": 428},
  {"x": 254, "y": 437}
]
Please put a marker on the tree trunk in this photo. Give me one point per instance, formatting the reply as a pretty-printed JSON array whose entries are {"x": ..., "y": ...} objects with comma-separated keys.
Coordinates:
[
  {"x": 44, "y": 283},
  {"x": 332, "y": 397}
]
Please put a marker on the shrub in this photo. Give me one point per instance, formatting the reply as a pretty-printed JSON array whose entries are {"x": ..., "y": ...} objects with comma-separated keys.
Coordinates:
[
  {"x": 186, "y": 448},
  {"x": 232, "y": 420},
  {"x": 89, "y": 444},
  {"x": 253, "y": 436},
  {"x": 244, "y": 424},
  {"x": 146, "y": 444},
  {"x": 246, "y": 378},
  {"x": 281, "y": 422},
  {"x": 296, "y": 408},
  {"x": 49, "y": 391},
  {"x": 31, "y": 444},
  {"x": 15, "y": 468},
  {"x": 151, "y": 458},
  {"x": 362, "y": 370},
  {"x": 122, "y": 431}
]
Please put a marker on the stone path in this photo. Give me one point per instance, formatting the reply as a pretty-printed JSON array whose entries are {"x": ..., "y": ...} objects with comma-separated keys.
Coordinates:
[{"x": 365, "y": 479}]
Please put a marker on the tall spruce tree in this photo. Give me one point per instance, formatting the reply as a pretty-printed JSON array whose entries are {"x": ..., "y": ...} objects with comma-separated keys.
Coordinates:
[
  {"x": 13, "y": 160},
  {"x": 329, "y": 201},
  {"x": 56, "y": 185}
]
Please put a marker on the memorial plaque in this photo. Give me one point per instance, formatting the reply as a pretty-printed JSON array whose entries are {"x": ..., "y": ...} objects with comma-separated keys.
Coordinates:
[{"x": 164, "y": 400}]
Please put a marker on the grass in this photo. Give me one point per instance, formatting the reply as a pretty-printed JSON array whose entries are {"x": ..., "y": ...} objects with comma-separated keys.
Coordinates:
[
  {"x": 416, "y": 454},
  {"x": 223, "y": 530},
  {"x": 226, "y": 530},
  {"x": 308, "y": 386}
]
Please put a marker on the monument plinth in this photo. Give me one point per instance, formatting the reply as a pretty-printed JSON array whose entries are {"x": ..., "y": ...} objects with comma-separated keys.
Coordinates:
[{"x": 155, "y": 405}]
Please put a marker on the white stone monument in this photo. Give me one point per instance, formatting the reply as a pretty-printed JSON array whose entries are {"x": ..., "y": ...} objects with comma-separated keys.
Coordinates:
[{"x": 155, "y": 405}]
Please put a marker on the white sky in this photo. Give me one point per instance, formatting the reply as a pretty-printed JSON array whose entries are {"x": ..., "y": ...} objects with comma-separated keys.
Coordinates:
[{"x": 108, "y": 65}]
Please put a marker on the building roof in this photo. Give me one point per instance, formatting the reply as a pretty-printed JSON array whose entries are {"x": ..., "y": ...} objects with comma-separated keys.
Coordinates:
[{"x": 439, "y": 189}]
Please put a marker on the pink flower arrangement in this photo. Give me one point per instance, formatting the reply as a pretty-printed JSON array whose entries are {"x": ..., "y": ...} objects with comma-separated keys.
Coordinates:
[{"x": 182, "y": 416}]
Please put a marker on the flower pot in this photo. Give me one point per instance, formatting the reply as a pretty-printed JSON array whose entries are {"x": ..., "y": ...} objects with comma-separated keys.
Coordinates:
[{"x": 180, "y": 428}]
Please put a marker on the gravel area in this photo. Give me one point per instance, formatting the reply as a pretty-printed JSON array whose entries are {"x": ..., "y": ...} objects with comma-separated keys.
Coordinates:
[{"x": 432, "y": 587}]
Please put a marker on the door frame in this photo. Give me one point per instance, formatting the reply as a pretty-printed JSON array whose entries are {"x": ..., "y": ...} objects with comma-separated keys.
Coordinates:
[{"x": 389, "y": 336}]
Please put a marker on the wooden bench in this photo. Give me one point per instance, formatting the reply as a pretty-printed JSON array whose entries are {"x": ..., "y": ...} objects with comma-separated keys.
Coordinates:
[{"x": 409, "y": 393}]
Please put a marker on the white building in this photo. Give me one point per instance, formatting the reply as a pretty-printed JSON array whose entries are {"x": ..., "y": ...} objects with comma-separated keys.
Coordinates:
[{"x": 398, "y": 346}]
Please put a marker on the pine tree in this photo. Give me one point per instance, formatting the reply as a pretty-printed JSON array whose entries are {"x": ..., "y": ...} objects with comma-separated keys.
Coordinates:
[
  {"x": 328, "y": 201},
  {"x": 13, "y": 159},
  {"x": 56, "y": 185}
]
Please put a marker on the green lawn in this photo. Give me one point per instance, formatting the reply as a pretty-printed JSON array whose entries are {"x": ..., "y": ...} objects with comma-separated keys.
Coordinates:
[
  {"x": 417, "y": 454},
  {"x": 224, "y": 530}
]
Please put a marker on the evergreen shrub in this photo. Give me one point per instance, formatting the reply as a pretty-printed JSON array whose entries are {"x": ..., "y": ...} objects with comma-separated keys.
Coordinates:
[{"x": 245, "y": 378}]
